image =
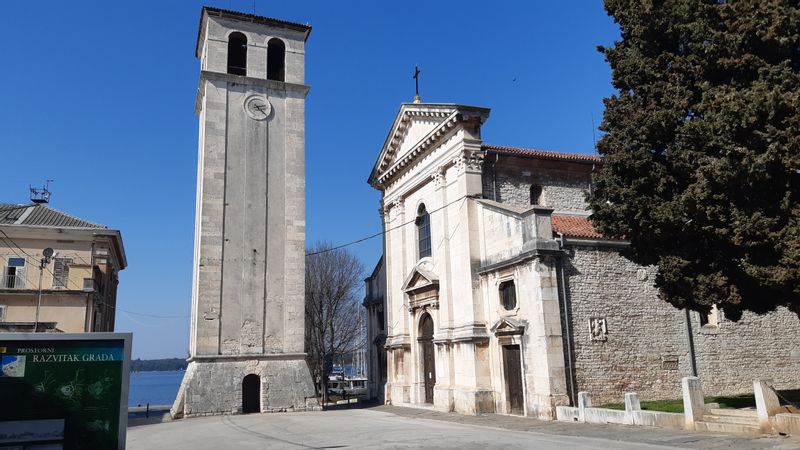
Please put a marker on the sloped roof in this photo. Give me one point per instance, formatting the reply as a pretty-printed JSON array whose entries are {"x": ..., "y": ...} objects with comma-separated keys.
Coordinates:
[
  {"x": 543, "y": 154},
  {"x": 574, "y": 226},
  {"x": 41, "y": 216}
]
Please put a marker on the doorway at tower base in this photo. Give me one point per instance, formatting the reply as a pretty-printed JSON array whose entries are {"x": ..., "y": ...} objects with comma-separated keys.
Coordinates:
[{"x": 216, "y": 385}]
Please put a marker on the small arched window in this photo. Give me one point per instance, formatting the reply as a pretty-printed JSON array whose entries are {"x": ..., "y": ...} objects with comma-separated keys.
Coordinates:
[
  {"x": 536, "y": 194},
  {"x": 508, "y": 295},
  {"x": 276, "y": 57},
  {"x": 237, "y": 54},
  {"x": 423, "y": 231}
]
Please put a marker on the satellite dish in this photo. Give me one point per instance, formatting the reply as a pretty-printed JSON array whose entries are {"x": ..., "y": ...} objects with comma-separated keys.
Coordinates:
[{"x": 48, "y": 252}]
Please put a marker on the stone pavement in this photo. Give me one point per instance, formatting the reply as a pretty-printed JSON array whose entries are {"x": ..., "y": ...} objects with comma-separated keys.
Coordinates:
[{"x": 397, "y": 427}]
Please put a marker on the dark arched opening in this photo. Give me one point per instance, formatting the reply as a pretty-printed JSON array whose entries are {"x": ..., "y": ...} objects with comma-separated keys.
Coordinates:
[
  {"x": 276, "y": 57},
  {"x": 536, "y": 194},
  {"x": 237, "y": 54},
  {"x": 251, "y": 394},
  {"x": 428, "y": 357}
]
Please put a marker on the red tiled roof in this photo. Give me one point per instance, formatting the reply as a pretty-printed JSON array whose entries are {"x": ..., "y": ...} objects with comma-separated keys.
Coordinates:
[
  {"x": 574, "y": 226},
  {"x": 543, "y": 154}
]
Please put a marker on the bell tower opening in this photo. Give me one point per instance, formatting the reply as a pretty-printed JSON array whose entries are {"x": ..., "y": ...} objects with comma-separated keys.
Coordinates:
[
  {"x": 237, "y": 54},
  {"x": 276, "y": 60}
]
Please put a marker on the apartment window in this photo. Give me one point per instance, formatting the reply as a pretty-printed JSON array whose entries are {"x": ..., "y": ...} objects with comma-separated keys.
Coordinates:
[
  {"x": 14, "y": 273},
  {"x": 423, "y": 231},
  {"x": 3, "y": 309},
  {"x": 508, "y": 295},
  {"x": 61, "y": 273}
]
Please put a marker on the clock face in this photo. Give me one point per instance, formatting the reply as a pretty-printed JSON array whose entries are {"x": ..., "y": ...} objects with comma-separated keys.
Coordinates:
[{"x": 257, "y": 107}]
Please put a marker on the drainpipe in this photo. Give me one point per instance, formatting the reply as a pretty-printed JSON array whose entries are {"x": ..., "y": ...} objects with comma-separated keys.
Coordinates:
[
  {"x": 567, "y": 321},
  {"x": 690, "y": 335},
  {"x": 494, "y": 177}
]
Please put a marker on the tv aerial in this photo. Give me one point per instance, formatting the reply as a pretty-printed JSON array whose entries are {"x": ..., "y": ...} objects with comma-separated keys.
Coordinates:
[{"x": 42, "y": 195}]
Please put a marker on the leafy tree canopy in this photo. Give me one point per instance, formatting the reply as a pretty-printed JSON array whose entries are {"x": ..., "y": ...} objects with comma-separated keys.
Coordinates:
[{"x": 702, "y": 150}]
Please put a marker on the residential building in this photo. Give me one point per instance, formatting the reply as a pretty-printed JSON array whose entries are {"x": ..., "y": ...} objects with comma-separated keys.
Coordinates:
[
  {"x": 78, "y": 285},
  {"x": 501, "y": 296}
]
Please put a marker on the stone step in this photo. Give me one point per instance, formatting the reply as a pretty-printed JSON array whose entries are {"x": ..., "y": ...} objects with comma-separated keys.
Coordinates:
[
  {"x": 734, "y": 412},
  {"x": 728, "y": 428},
  {"x": 741, "y": 420}
]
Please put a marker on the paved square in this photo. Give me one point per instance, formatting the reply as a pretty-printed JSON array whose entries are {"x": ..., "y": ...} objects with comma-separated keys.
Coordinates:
[{"x": 395, "y": 427}]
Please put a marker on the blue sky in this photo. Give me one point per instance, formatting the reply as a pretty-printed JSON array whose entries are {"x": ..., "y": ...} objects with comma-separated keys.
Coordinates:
[{"x": 99, "y": 97}]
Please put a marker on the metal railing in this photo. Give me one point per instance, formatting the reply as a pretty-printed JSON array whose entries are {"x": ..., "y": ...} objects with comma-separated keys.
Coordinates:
[{"x": 13, "y": 282}]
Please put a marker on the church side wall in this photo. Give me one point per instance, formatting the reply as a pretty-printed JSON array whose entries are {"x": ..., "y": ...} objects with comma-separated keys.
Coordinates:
[
  {"x": 731, "y": 355},
  {"x": 562, "y": 190},
  {"x": 645, "y": 349},
  {"x": 642, "y": 331}
]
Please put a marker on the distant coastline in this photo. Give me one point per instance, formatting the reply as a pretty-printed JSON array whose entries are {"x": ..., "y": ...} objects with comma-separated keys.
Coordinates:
[{"x": 158, "y": 365}]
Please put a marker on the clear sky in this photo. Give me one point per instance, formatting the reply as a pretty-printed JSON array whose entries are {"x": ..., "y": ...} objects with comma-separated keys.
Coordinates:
[{"x": 99, "y": 96}]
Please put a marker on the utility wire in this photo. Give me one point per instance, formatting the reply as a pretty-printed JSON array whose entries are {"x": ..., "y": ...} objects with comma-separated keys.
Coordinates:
[
  {"x": 74, "y": 284},
  {"x": 390, "y": 229}
]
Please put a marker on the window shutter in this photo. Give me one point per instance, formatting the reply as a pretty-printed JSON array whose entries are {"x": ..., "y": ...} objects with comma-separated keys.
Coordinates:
[
  {"x": 61, "y": 273},
  {"x": 3, "y": 313},
  {"x": 6, "y": 282},
  {"x": 20, "y": 278}
]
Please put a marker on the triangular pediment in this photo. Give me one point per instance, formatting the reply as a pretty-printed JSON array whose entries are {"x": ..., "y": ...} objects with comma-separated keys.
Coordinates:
[
  {"x": 419, "y": 279},
  {"x": 418, "y": 125},
  {"x": 507, "y": 325}
]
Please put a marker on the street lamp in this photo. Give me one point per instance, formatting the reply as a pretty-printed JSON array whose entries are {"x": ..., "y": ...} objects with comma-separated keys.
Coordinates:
[{"x": 47, "y": 254}]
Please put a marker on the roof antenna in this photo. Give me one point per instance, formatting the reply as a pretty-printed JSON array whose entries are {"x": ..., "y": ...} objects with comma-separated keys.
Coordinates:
[
  {"x": 594, "y": 139},
  {"x": 42, "y": 195}
]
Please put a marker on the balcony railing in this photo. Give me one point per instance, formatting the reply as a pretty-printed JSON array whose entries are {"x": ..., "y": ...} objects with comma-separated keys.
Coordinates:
[{"x": 13, "y": 282}]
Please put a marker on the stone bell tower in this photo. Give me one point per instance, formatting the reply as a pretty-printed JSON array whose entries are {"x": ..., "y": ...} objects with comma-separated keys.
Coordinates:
[{"x": 246, "y": 350}]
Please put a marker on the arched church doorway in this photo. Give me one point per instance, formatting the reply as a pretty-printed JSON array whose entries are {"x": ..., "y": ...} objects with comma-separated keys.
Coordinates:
[
  {"x": 251, "y": 394},
  {"x": 428, "y": 358}
]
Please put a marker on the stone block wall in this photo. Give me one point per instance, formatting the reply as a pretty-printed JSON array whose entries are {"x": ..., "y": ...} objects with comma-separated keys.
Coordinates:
[
  {"x": 509, "y": 181},
  {"x": 760, "y": 347},
  {"x": 643, "y": 336},
  {"x": 642, "y": 346}
]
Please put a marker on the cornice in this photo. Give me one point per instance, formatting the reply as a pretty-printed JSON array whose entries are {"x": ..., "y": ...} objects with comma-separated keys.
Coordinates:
[
  {"x": 386, "y": 168},
  {"x": 300, "y": 90}
]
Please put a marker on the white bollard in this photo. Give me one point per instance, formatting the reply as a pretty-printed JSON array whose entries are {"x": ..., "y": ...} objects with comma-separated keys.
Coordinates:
[
  {"x": 693, "y": 402},
  {"x": 767, "y": 404},
  {"x": 584, "y": 401}
]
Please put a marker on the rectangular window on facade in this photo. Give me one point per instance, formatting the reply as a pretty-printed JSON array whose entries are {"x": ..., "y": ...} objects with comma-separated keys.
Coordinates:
[
  {"x": 3, "y": 309},
  {"x": 14, "y": 274},
  {"x": 61, "y": 273}
]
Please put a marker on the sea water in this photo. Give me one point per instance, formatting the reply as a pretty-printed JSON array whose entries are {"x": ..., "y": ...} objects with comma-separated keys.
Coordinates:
[{"x": 156, "y": 388}]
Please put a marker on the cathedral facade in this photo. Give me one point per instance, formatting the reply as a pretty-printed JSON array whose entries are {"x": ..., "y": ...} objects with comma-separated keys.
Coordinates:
[{"x": 500, "y": 297}]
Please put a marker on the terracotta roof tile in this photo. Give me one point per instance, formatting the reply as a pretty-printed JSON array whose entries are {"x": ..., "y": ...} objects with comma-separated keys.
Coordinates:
[
  {"x": 543, "y": 154},
  {"x": 574, "y": 226}
]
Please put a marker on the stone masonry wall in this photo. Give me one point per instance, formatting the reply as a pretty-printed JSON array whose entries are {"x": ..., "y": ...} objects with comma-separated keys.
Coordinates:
[
  {"x": 563, "y": 190},
  {"x": 644, "y": 348}
]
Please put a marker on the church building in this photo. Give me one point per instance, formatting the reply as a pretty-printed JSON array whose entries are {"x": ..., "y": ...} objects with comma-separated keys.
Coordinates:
[{"x": 500, "y": 297}]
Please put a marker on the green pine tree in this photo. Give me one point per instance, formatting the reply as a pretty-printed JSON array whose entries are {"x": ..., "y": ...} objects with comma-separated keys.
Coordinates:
[{"x": 701, "y": 150}]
